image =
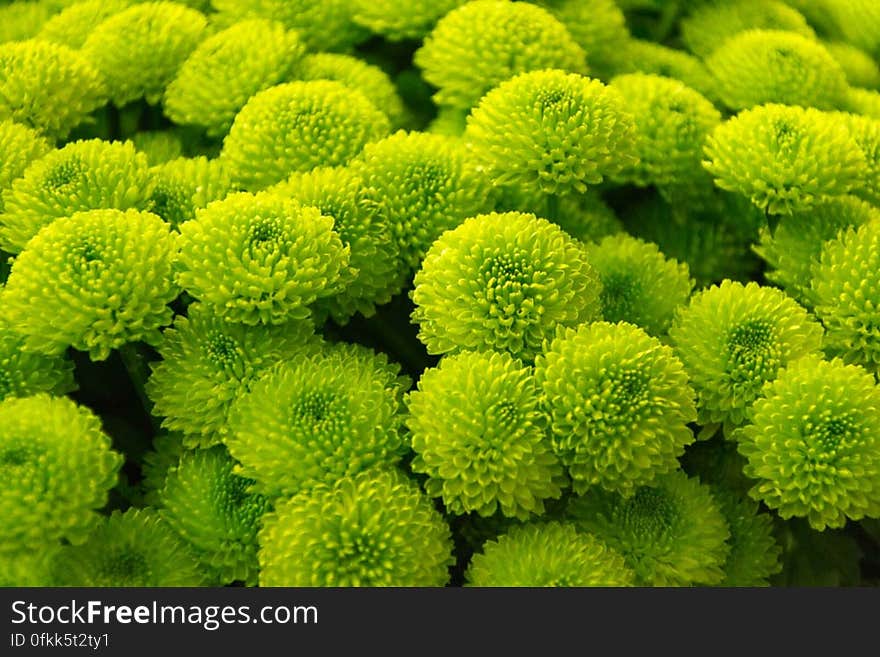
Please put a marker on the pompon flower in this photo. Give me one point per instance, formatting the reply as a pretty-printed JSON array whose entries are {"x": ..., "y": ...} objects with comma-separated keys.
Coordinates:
[
  {"x": 132, "y": 549},
  {"x": 23, "y": 373},
  {"x": 373, "y": 529},
  {"x": 672, "y": 122},
  {"x": 619, "y": 405},
  {"x": 214, "y": 511},
  {"x": 184, "y": 185},
  {"x": 813, "y": 443},
  {"x": 299, "y": 126},
  {"x": 571, "y": 132},
  {"x": 860, "y": 68},
  {"x": 550, "y": 554},
  {"x": 47, "y": 86},
  {"x": 711, "y": 24},
  {"x": 73, "y": 24},
  {"x": 483, "y": 43},
  {"x": 57, "y": 467},
  {"x": 421, "y": 185},
  {"x": 19, "y": 146},
  {"x": 207, "y": 363},
  {"x": 865, "y": 132},
  {"x": 93, "y": 281},
  {"x": 670, "y": 534},
  {"x": 479, "y": 433},
  {"x": 639, "y": 285},
  {"x": 374, "y": 273},
  {"x": 226, "y": 69},
  {"x": 734, "y": 338},
  {"x": 754, "y": 552},
  {"x": 139, "y": 49},
  {"x": 84, "y": 175},
  {"x": 397, "y": 20},
  {"x": 502, "y": 282},
  {"x": 845, "y": 289},
  {"x": 160, "y": 146},
  {"x": 357, "y": 74},
  {"x": 260, "y": 258},
  {"x": 793, "y": 248},
  {"x": 317, "y": 418},
  {"x": 785, "y": 159}
]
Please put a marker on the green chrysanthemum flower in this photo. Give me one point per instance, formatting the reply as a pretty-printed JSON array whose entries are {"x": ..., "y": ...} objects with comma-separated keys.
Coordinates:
[
  {"x": 299, "y": 126},
  {"x": 93, "y": 281},
  {"x": 374, "y": 274},
  {"x": 214, "y": 511},
  {"x": 22, "y": 20},
  {"x": 357, "y": 74},
  {"x": 619, "y": 405},
  {"x": 207, "y": 363},
  {"x": 139, "y": 49},
  {"x": 639, "y": 285},
  {"x": 482, "y": 43},
  {"x": 845, "y": 289},
  {"x": 671, "y": 534},
  {"x": 712, "y": 23},
  {"x": 223, "y": 72},
  {"x": 160, "y": 146},
  {"x": 754, "y": 552},
  {"x": 479, "y": 433},
  {"x": 315, "y": 419},
  {"x": 48, "y": 86},
  {"x": 860, "y": 68},
  {"x": 672, "y": 122},
  {"x": 23, "y": 373},
  {"x": 551, "y": 554},
  {"x": 84, "y": 175},
  {"x": 813, "y": 443},
  {"x": 73, "y": 25},
  {"x": 397, "y": 20},
  {"x": 785, "y": 159},
  {"x": 373, "y": 529},
  {"x": 26, "y": 569},
  {"x": 865, "y": 132},
  {"x": 421, "y": 185},
  {"x": 168, "y": 449},
  {"x": 794, "y": 247},
  {"x": 57, "y": 466},
  {"x": 260, "y": 258},
  {"x": 503, "y": 282},
  {"x": 184, "y": 185},
  {"x": 132, "y": 549},
  {"x": 19, "y": 146},
  {"x": 733, "y": 338},
  {"x": 570, "y": 131}
]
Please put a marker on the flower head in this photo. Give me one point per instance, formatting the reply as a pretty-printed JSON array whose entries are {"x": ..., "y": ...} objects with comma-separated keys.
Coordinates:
[
  {"x": 397, "y": 20},
  {"x": 73, "y": 24},
  {"x": 24, "y": 373},
  {"x": 184, "y": 185}
]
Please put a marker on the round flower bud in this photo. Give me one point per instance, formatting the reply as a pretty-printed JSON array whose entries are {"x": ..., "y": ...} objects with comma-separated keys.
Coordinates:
[
  {"x": 48, "y": 86},
  {"x": 84, "y": 175},
  {"x": 299, "y": 126},
  {"x": 184, "y": 185},
  {"x": 23, "y": 373},
  {"x": 733, "y": 339},
  {"x": 571, "y": 132},
  {"x": 479, "y": 433},
  {"x": 57, "y": 466},
  {"x": 550, "y": 554},
  {"x": 785, "y": 159},
  {"x": 73, "y": 24},
  {"x": 373, "y": 529},
  {"x": 226, "y": 69},
  {"x": 502, "y": 282},
  {"x": 139, "y": 49},
  {"x": 860, "y": 68},
  {"x": 485, "y": 42},
  {"x": 754, "y": 552},
  {"x": 19, "y": 146},
  {"x": 813, "y": 443},
  {"x": 93, "y": 281},
  {"x": 397, "y": 20},
  {"x": 671, "y": 534}
]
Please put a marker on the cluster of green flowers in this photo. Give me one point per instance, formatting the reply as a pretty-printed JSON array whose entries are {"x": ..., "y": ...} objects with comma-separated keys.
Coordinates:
[{"x": 411, "y": 293}]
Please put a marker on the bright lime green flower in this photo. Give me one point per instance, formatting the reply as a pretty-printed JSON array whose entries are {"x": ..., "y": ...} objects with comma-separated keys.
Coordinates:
[
  {"x": 260, "y": 258},
  {"x": 57, "y": 466},
  {"x": 24, "y": 373},
  {"x": 865, "y": 132},
  {"x": 639, "y": 285},
  {"x": 184, "y": 185},
  {"x": 26, "y": 569},
  {"x": 373, "y": 529},
  {"x": 861, "y": 69},
  {"x": 503, "y": 282},
  {"x": 670, "y": 534},
  {"x": 397, "y": 20},
  {"x": 485, "y": 42},
  {"x": 813, "y": 443},
  {"x": 299, "y": 126},
  {"x": 619, "y": 404},
  {"x": 734, "y": 338},
  {"x": 479, "y": 433},
  {"x": 93, "y": 281},
  {"x": 84, "y": 175},
  {"x": 226, "y": 69},
  {"x": 73, "y": 25},
  {"x": 214, "y": 511},
  {"x": 550, "y": 554},
  {"x": 19, "y": 146},
  {"x": 754, "y": 552}
]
